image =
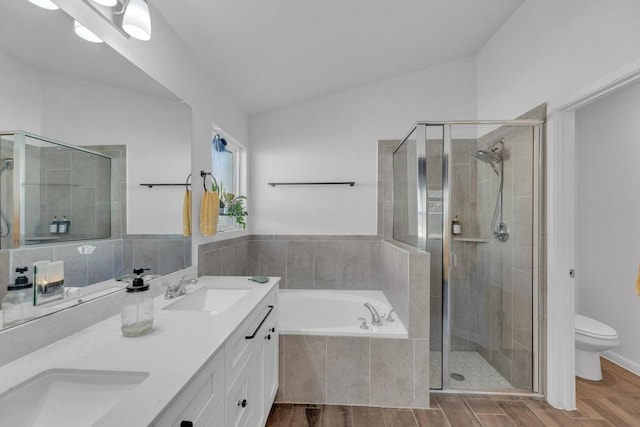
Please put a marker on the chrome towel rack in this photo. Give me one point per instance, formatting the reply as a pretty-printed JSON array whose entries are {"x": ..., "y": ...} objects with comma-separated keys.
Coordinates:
[{"x": 349, "y": 183}]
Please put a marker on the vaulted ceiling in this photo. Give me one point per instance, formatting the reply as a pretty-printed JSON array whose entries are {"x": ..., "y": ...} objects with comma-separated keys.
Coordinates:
[{"x": 274, "y": 53}]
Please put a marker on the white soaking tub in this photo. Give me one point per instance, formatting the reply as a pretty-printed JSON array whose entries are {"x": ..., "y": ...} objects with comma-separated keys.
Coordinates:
[{"x": 335, "y": 313}]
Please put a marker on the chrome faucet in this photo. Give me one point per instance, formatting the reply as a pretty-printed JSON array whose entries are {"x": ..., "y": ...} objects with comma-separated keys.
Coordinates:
[
  {"x": 179, "y": 288},
  {"x": 376, "y": 320}
]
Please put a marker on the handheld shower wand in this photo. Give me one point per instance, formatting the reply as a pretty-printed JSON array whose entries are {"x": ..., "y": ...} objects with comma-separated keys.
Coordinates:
[{"x": 493, "y": 157}]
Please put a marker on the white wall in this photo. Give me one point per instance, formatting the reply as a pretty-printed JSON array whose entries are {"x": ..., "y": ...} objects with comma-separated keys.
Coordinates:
[
  {"x": 20, "y": 95},
  {"x": 170, "y": 62},
  {"x": 608, "y": 230},
  {"x": 335, "y": 138},
  {"x": 549, "y": 49},
  {"x": 156, "y": 131}
]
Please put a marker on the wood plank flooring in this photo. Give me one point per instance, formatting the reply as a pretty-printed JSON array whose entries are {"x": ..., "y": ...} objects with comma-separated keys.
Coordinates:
[{"x": 615, "y": 401}]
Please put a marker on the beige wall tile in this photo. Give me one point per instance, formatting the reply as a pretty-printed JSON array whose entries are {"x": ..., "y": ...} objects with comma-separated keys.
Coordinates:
[
  {"x": 305, "y": 367},
  {"x": 348, "y": 370},
  {"x": 300, "y": 265},
  {"x": 327, "y": 265},
  {"x": 419, "y": 295},
  {"x": 392, "y": 381},
  {"x": 421, "y": 373}
]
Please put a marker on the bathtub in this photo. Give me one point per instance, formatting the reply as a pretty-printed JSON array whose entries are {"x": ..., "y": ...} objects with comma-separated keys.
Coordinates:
[{"x": 335, "y": 313}]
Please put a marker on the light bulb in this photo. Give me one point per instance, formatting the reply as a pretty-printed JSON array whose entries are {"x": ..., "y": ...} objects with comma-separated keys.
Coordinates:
[
  {"x": 108, "y": 3},
  {"x": 136, "y": 20},
  {"x": 45, "y": 4},
  {"x": 85, "y": 33}
]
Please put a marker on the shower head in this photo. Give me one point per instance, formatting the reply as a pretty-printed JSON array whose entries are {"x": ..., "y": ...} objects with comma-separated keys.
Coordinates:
[
  {"x": 6, "y": 163},
  {"x": 492, "y": 155}
]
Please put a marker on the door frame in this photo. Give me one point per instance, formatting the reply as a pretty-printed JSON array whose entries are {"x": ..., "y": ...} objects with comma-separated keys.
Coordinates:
[{"x": 561, "y": 230}]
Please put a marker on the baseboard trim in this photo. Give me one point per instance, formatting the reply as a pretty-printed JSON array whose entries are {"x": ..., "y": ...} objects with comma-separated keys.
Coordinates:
[{"x": 627, "y": 364}]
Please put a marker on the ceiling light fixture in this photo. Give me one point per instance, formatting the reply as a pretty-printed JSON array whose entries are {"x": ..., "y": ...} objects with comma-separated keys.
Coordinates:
[
  {"x": 137, "y": 20},
  {"x": 85, "y": 33},
  {"x": 108, "y": 3},
  {"x": 45, "y": 4}
]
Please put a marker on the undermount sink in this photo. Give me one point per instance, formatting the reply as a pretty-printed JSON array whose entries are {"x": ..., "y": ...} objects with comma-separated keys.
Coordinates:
[
  {"x": 66, "y": 397},
  {"x": 207, "y": 299}
]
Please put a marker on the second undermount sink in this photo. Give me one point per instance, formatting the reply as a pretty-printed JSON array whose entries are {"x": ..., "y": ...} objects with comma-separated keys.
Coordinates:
[
  {"x": 66, "y": 397},
  {"x": 207, "y": 299}
]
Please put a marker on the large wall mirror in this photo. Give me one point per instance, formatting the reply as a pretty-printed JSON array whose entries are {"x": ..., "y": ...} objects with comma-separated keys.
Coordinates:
[{"x": 58, "y": 86}]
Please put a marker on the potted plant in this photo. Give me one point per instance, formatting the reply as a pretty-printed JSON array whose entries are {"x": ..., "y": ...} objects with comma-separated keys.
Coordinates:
[
  {"x": 230, "y": 204},
  {"x": 234, "y": 206}
]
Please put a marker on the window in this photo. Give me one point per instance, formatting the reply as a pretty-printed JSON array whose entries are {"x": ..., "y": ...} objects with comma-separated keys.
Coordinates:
[
  {"x": 227, "y": 167},
  {"x": 223, "y": 163}
]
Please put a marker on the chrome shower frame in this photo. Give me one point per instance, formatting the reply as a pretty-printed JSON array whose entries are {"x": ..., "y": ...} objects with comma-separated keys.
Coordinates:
[{"x": 420, "y": 129}]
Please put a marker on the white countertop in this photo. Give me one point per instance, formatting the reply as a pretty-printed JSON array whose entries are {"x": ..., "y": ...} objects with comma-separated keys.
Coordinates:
[{"x": 179, "y": 345}]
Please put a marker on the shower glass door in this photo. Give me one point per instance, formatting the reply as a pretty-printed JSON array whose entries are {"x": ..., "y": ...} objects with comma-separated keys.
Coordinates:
[
  {"x": 484, "y": 178},
  {"x": 490, "y": 287}
]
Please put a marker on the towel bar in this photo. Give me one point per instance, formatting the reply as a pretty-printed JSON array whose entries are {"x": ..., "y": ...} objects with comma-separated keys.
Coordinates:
[
  {"x": 185, "y": 184},
  {"x": 349, "y": 183}
]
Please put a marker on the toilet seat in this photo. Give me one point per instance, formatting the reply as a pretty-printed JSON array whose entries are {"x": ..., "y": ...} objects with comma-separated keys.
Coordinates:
[{"x": 592, "y": 328}]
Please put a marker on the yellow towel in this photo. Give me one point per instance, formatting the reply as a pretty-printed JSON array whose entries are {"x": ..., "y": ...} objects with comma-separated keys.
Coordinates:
[
  {"x": 186, "y": 214},
  {"x": 209, "y": 213},
  {"x": 638, "y": 282}
]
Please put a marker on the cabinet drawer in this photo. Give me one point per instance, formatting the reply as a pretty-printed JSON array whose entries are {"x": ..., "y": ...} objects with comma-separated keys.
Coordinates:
[
  {"x": 200, "y": 397},
  {"x": 240, "y": 346}
]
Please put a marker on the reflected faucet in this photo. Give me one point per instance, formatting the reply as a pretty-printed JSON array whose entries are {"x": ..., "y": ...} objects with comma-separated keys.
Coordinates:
[
  {"x": 376, "y": 320},
  {"x": 179, "y": 288}
]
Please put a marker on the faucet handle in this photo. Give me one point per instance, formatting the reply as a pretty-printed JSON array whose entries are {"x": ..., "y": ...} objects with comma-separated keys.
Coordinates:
[
  {"x": 364, "y": 323},
  {"x": 389, "y": 318}
]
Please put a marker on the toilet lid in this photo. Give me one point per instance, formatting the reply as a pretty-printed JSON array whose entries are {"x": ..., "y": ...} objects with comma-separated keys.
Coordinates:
[{"x": 591, "y": 327}]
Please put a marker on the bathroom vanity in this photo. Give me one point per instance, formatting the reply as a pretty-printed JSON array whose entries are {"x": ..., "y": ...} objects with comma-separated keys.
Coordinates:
[{"x": 211, "y": 360}]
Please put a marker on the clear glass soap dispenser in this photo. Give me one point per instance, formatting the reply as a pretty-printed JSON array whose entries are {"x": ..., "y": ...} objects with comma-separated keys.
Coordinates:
[
  {"x": 137, "y": 307},
  {"x": 17, "y": 305}
]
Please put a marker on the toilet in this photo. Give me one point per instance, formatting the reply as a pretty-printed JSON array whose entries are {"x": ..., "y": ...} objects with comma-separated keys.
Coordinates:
[{"x": 592, "y": 337}]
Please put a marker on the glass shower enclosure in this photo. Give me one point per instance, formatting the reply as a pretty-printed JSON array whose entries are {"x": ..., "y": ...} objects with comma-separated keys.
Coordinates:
[
  {"x": 467, "y": 192},
  {"x": 51, "y": 192}
]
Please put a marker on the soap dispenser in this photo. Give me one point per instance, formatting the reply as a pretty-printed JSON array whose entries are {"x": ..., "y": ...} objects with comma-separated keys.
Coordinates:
[
  {"x": 17, "y": 305},
  {"x": 54, "y": 225},
  {"x": 456, "y": 227},
  {"x": 137, "y": 307}
]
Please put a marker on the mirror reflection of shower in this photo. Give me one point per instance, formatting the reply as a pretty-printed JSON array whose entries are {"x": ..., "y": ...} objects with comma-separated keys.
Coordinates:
[
  {"x": 6, "y": 163},
  {"x": 493, "y": 157}
]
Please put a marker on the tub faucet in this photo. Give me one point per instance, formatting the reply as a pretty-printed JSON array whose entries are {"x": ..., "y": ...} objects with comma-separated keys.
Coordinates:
[
  {"x": 376, "y": 320},
  {"x": 179, "y": 288}
]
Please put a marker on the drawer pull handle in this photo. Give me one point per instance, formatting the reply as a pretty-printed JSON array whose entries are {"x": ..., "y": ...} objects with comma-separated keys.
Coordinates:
[
  {"x": 242, "y": 403},
  {"x": 253, "y": 335},
  {"x": 273, "y": 329},
  {"x": 268, "y": 337},
  {"x": 186, "y": 424}
]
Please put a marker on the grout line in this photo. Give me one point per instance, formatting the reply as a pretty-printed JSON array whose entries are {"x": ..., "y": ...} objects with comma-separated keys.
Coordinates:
[
  {"x": 370, "y": 388},
  {"x": 326, "y": 370}
]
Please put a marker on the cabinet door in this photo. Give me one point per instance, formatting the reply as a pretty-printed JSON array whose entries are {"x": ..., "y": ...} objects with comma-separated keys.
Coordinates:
[
  {"x": 215, "y": 419},
  {"x": 199, "y": 399},
  {"x": 240, "y": 400},
  {"x": 271, "y": 363}
]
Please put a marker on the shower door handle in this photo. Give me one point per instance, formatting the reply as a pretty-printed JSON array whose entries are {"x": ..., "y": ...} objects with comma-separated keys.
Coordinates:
[{"x": 453, "y": 260}]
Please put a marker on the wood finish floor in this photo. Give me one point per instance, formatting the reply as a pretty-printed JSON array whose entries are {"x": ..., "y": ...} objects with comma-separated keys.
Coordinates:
[{"x": 615, "y": 401}]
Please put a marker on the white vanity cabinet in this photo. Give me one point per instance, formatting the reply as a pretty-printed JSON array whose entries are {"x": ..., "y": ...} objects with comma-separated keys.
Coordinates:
[
  {"x": 267, "y": 366},
  {"x": 202, "y": 401},
  {"x": 247, "y": 401},
  {"x": 237, "y": 387}
]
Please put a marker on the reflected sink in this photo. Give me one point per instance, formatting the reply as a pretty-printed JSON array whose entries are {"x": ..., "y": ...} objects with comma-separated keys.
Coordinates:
[
  {"x": 66, "y": 397},
  {"x": 212, "y": 300}
]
